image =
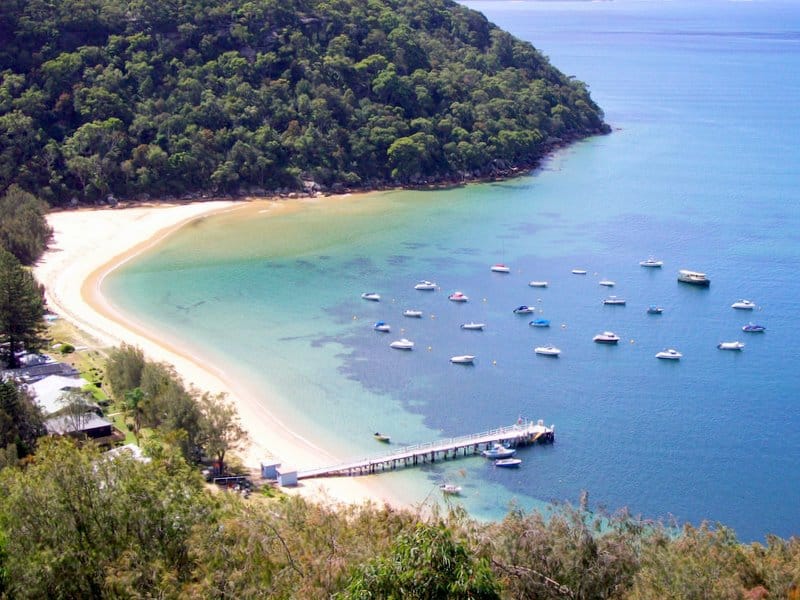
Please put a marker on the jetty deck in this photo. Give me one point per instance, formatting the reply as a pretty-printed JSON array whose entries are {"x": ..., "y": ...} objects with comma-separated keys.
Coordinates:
[{"x": 519, "y": 434}]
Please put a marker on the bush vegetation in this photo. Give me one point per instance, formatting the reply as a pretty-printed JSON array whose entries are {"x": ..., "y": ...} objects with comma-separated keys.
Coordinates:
[{"x": 145, "y": 97}]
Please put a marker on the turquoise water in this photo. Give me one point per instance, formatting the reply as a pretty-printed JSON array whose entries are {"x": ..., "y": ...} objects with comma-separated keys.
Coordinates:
[{"x": 701, "y": 171}]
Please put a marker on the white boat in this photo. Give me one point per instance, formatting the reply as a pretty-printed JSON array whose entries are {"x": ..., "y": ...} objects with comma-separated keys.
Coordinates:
[
  {"x": 651, "y": 262},
  {"x": 499, "y": 451},
  {"x": 425, "y": 286},
  {"x": 607, "y": 282},
  {"x": 382, "y": 437},
  {"x": 402, "y": 344},
  {"x": 450, "y": 489},
  {"x": 654, "y": 310},
  {"x": 614, "y": 301},
  {"x": 508, "y": 462},
  {"x": 462, "y": 359},
  {"x": 472, "y": 326},
  {"x": 500, "y": 268},
  {"x": 693, "y": 277},
  {"x": 538, "y": 284},
  {"x": 412, "y": 313},
  {"x": 523, "y": 310},
  {"x": 579, "y": 271},
  {"x": 382, "y": 326},
  {"x": 548, "y": 350},
  {"x": 743, "y": 305},
  {"x": 669, "y": 354},
  {"x": 731, "y": 345},
  {"x": 754, "y": 328},
  {"x": 371, "y": 296},
  {"x": 607, "y": 337},
  {"x": 457, "y": 297}
]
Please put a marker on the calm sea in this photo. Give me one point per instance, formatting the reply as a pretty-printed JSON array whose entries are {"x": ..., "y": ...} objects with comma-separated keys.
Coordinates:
[{"x": 702, "y": 171}]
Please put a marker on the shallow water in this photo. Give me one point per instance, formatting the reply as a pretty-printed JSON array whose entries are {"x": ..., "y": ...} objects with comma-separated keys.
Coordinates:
[{"x": 701, "y": 171}]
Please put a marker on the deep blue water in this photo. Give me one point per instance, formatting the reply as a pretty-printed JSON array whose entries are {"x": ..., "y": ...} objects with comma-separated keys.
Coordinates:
[{"x": 701, "y": 171}]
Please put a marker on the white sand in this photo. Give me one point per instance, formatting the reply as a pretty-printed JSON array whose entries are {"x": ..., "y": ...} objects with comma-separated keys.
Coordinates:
[{"x": 87, "y": 245}]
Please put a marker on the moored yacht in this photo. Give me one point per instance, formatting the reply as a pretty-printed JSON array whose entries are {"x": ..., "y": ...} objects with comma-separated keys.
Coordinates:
[
  {"x": 523, "y": 310},
  {"x": 693, "y": 277},
  {"x": 754, "y": 328},
  {"x": 402, "y": 344},
  {"x": 416, "y": 314},
  {"x": 457, "y": 297},
  {"x": 382, "y": 326},
  {"x": 651, "y": 262},
  {"x": 538, "y": 284},
  {"x": 614, "y": 301},
  {"x": 548, "y": 350},
  {"x": 539, "y": 323},
  {"x": 669, "y": 354},
  {"x": 425, "y": 285},
  {"x": 743, "y": 305},
  {"x": 371, "y": 296},
  {"x": 607, "y": 337},
  {"x": 473, "y": 326},
  {"x": 463, "y": 359},
  {"x": 500, "y": 268},
  {"x": 607, "y": 283},
  {"x": 731, "y": 345}
]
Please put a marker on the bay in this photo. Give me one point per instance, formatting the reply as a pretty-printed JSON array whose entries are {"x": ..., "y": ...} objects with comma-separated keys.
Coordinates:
[{"x": 700, "y": 171}]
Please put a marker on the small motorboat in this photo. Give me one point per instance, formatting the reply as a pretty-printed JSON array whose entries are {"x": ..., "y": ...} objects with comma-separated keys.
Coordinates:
[
  {"x": 416, "y": 314},
  {"x": 743, "y": 305},
  {"x": 652, "y": 263},
  {"x": 382, "y": 437},
  {"x": 425, "y": 286},
  {"x": 654, "y": 310},
  {"x": 402, "y": 344},
  {"x": 508, "y": 462},
  {"x": 371, "y": 296},
  {"x": 523, "y": 310},
  {"x": 462, "y": 359},
  {"x": 540, "y": 323},
  {"x": 457, "y": 297},
  {"x": 607, "y": 337},
  {"x": 669, "y": 354},
  {"x": 500, "y": 268},
  {"x": 579, "y": 271},
  {"x": 754, "y": 328},
  {"x": 731, "y": 346},
  {"x": 499, "y": 451},
  {"x": 472, "y": 326},
  {"x": 607, "y": 283},
  {"x": 537, "y": 283},
  {"x": 548, "y": 350},
  {"x": 450, "y": 489},
  {"x": 614, "y": 301},
  {"x": 382, "y": 326}
]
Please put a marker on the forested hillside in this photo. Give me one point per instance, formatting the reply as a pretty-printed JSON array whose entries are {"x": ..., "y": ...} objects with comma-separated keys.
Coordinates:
[{"x": 168, "y": 97}]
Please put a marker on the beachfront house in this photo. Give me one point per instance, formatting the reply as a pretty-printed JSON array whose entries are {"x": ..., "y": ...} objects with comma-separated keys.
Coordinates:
[{"x": 51, "y": 393}]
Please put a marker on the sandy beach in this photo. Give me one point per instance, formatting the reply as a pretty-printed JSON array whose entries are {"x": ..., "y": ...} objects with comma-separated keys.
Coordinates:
[{"x": 88, "y": 244}]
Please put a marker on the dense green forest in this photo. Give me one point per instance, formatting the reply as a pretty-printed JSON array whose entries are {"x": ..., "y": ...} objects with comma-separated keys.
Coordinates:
[{"x": 176, "y": 97}]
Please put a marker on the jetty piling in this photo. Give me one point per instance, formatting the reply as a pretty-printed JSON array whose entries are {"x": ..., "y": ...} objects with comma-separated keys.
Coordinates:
[{"x": 520, "y": 434}]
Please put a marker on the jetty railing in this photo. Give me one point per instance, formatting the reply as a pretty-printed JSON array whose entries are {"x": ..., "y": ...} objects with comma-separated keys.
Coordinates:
[{"x": 519, "y": 434}]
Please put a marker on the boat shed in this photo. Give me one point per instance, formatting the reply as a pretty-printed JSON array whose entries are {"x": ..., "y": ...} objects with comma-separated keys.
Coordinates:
[
  {"x": 269, "y": 469},
  {"x": 286, "y": 476}
]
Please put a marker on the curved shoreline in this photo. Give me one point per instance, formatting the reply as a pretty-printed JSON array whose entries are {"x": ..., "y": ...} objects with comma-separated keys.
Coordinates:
[{"x": 89, "y": 244}]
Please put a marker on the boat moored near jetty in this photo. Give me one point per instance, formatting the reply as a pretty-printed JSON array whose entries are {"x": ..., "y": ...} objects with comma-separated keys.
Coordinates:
[
  {"x": 607, "y": 337},
  {"x": 425, "y": 286},
  {"x": 499, "y": 451},
  {"x": 731, "y": 345},
  {"x": 382, "y": 437},
  {"x": 614, "y": 301},
  {"x": 523, "y": 310},
  {"x": 539, "y": 323},
  {"x": 548, "y": 350},
  {"x": 402, "y": 344},
  {"x": 382, "y": 326},
  {"x": 651, "y": 262},
  {"x": 416, "y": 314},
  {"x": 754, "y": 328},
  {"x": 743, "y": 305},
  {"x": 371, "y": 296},
  {"x": 501, "y": 268},
  {"x": 462, "y": 359},
  {"x": 669, "y": 354},
  {"x": 537, "y": 283},
  {"x": 472, "y": 326},
  {"x": 693, "y": 278},
  {"x": 457, "y": 297},
  {"x": 508, "y": 462}
]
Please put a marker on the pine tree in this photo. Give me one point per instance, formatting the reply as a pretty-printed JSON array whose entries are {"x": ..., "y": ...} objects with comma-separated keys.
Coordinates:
[{"x": 21, "y": 311}]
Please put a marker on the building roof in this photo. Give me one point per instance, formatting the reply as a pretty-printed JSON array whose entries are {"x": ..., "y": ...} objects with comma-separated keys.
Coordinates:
[
  {"x": 66, "y": 424},
  {"x": 49, "y": 391}
]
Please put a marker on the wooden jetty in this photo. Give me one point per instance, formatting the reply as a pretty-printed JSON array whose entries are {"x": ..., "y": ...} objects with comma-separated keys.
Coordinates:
[{"x": 520, "y": 434}]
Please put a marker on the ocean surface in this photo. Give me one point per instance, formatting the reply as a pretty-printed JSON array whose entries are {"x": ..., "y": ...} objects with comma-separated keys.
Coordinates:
[{"x": 701, "y": 171}]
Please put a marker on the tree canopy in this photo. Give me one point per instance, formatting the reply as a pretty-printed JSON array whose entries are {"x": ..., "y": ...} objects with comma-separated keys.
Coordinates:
[
  {"x": 22, "y": 325},
  {"x": 103, "y": 97}
]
